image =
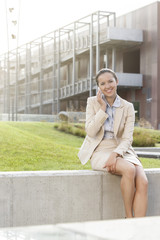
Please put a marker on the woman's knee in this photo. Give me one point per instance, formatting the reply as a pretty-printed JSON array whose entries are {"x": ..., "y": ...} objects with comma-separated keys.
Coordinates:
[
  {"x": 131, "y": 171},
  {"x": 142, "y": 183},
  {"x": 126, "y": 168}
]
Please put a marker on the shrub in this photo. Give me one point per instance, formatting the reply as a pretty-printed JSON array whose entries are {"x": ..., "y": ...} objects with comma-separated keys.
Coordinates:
[
  {"x": 156, "y": 135},
  {"x": 79, "y": 132},
  {"x": 70, "y": 128},
  {"x": 80, "y": 125},
  {"x": 143, "y": 138},
  {"x": 65, "y": 127},
  {"x": 56, "y": 125},
  {"x": 142, "y": 122}
]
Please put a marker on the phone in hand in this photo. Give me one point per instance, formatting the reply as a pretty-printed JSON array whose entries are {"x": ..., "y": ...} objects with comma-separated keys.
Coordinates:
[{"x": 100, "y": 92}]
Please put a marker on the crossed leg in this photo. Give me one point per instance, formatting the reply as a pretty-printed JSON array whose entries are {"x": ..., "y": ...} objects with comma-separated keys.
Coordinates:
[
  {"x": 141, "y": 195},
  {"x": 133, "y": 187}
]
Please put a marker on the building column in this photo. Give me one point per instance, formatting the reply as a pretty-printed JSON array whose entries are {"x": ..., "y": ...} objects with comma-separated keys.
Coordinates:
[
  {"x": 67, "y": 73},
  {"x": 29, "y": 79},
  {"x": 16, "y": 84},
  {"x": 54, "y": 74},
  {"x": 41, "y": 75},
  {"x": 97, "y": 45},
  {"x": 26, "y": 79},
  {"x": 8, "y": 86},
  {"x": 91, "y": 57},
  {"x": 58, "y": 72},
  {"x": 106, "y": 59},
  {"x": 74, "y": 59},
  {"x": 114, "y": 59},
  {"x": 5, "y": 86}
]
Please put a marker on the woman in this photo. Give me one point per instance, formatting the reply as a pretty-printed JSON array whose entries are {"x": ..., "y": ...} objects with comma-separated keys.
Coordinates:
[{"x": 109, "y": 128}]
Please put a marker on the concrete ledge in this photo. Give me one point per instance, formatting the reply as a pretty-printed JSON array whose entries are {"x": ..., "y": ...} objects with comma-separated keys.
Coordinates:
[
  {"x": 147, "y": 149},
  {"x": 148, "y": 154},
  {"x": 49, "y": 197}
]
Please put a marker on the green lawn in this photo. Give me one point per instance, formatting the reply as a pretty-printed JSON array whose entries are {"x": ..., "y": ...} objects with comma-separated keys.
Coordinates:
[{"x": 29, "y": 146}]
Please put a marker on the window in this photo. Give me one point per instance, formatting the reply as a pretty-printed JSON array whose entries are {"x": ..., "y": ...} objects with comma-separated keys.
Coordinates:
[{"x": 131, "y": 62}]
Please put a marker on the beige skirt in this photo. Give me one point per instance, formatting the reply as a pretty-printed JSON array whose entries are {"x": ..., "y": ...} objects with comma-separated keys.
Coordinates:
[{"x": 103, "y": 151}]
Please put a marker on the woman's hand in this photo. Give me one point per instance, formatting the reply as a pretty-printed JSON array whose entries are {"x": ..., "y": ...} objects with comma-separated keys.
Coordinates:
[
  {"x": 101, "y": 101},
  {"x": 111, "y": 163}
]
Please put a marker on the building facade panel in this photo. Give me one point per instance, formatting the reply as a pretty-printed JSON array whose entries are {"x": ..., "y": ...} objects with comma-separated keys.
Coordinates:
[
  {"x": 57, "y": 71},
  {"x": 146, "y": 18}
]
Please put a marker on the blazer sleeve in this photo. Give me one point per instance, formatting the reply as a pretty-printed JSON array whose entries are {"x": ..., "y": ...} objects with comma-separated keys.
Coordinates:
[
  {"x": 127, "y": 136},
  {"x": 94, "y": 120}
]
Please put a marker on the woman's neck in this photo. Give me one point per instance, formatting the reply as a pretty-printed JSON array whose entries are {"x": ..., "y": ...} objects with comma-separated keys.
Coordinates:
[{"x": 111, "y": 100}]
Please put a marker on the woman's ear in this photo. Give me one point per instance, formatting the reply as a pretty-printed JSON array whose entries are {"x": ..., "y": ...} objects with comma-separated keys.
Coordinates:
[{"x": 117, "y": 81}]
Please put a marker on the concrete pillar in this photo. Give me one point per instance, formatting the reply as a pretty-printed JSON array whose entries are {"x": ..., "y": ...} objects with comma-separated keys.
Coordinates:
[
  {"x": 29, "y": 78},
  {"x": 114, "y": 59},
  {"x": 74, "y": 58},
  {"x": 41, "y": 75},
  {"x": 26, "y": 78},
  {"x": 16, "y": 84},
  {"x": 91, "y": 57},
  {"x": 58, "y": 72},
  {"x": 106, "y": 59},
  {"x": 132, "y": 95},
  {"x": 5, "y": 87},
  {"x": 8, "y": 86},
  {"x": 97, "y": 46}
]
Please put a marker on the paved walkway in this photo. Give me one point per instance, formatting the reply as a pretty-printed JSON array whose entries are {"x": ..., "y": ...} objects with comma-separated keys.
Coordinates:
[
  {"x": 119, "y": 229},
  {"x": 148, "y": 152}
]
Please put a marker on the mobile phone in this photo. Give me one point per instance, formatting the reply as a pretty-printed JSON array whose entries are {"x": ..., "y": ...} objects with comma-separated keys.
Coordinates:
[{"x": 100, "y": 92}]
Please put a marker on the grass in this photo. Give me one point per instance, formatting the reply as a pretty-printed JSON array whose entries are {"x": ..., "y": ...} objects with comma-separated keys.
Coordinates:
[
  {"x": 31, "y": 146},
  {"x": 150, "y": 162},
  {"x": 37, "y": 146}
]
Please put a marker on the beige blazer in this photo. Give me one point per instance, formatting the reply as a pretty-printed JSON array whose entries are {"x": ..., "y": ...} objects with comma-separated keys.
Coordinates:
[{"x": 123, "y": 128}]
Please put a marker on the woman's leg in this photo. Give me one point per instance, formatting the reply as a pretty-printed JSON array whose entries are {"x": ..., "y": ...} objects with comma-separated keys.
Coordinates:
[
  {"x": 141, "y": 196},
  {"x": 128, "y": 172}
]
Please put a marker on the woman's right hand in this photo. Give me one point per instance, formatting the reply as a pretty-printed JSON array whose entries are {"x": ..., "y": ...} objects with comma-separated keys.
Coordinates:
[
  {"x": 111, "y": 163},
  {"x": 100, "y": 100}
]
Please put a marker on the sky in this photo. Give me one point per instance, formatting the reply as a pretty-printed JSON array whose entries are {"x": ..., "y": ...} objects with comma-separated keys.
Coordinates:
[{"x": 39, "y": 17}]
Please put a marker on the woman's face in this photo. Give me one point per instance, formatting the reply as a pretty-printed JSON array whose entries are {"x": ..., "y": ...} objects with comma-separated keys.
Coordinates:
[{"x": 108, "y": 85}]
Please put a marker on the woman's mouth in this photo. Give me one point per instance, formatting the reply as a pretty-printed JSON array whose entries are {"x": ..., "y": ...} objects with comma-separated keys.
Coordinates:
[{"x": 108, "y": 91}]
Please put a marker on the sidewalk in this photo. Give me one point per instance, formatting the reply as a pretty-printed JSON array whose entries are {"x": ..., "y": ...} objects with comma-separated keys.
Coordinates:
[{"x": 149, "y": 152}]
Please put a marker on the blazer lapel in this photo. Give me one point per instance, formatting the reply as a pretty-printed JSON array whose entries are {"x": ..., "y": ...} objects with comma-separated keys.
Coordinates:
[{"x": 118, "y": 117}]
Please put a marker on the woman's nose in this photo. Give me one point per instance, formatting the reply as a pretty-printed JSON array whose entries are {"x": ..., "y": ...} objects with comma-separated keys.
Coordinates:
[{"x": 107, "y": 85}]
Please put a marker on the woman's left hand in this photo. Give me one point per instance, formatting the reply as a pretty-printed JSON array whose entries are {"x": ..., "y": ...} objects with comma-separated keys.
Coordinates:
[{"x": 111, "y": 163}]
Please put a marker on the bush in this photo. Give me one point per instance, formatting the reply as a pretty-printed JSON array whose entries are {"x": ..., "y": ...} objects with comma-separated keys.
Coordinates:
[
  {"x": 56, "y": 125},
  {"x": 143, "y": 138},
  {"x": 80, "y": 125},
  {"x": 144, "y": 123},
  {"x": 65, "y": 127},
  {"x": 79, "y": 132}
]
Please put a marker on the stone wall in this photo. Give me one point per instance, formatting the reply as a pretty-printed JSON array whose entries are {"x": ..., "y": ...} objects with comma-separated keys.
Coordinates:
[{"x": 49, "y": 197}]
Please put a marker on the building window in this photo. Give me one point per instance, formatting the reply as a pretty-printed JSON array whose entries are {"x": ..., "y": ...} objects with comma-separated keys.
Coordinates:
[{"x": 131, "y": 62}]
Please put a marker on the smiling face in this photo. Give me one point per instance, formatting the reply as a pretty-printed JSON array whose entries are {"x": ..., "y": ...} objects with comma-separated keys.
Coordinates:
[{"x": 108, "y": 85}]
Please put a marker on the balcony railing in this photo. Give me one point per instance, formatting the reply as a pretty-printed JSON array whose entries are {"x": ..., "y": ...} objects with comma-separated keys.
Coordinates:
[{"x": 125, "y": 80}]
